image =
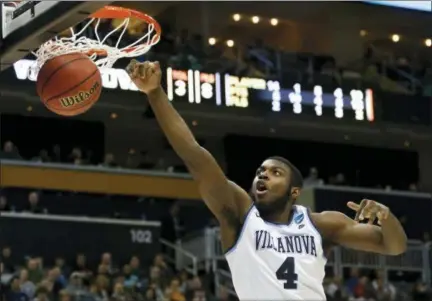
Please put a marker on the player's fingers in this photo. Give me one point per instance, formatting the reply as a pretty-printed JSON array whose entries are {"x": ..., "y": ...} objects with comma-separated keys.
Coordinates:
[
  {"x": 150, "y": 70},
  {"x": 136, "y": 71},
  {"x": 157, "y": 67},
  {"x": 379, "y": 217},
  {"x": 143, "y": 69},
  {"x": 359, "y": 215},
  {"x": 130, "y": 68},
  {"x": 370, "y": 209},
  {"x": 353, "y": 206},
  {"x": 382, "y": 214},
  {"x": 372, "y": 219}
]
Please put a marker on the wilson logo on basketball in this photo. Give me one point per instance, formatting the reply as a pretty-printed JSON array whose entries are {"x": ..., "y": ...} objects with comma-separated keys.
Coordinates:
[{"x": 80, "y": 97}]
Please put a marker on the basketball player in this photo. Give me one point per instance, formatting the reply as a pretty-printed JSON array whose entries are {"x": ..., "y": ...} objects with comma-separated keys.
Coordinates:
[{"x": 273, "y": 247}]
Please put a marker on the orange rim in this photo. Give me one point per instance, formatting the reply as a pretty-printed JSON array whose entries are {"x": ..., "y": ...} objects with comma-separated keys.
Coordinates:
[{"x": 117, "y": 12}]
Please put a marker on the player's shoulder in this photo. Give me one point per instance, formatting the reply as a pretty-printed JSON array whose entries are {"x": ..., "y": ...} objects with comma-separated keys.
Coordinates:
[
  {"x": 327, "y": 222},
  {"x": 328, "y": 217}
]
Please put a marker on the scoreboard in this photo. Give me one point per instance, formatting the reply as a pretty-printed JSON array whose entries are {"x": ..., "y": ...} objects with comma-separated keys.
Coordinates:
[
  {"x": 226, "y": 90},
  {"x": 242, "y": 93}
]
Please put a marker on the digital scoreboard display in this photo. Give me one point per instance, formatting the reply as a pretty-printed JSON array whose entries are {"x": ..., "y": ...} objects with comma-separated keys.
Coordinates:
[
  {"x": 226, "y": 90},
  {"x": 242, "y": 93}
]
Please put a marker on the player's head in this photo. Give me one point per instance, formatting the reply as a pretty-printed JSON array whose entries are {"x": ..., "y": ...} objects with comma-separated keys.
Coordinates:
[{"x": 277, "y": 183}]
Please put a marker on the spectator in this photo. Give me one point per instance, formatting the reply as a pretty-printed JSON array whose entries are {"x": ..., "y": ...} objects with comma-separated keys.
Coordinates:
[
  {"x": 56, "y": 280},
  {"x": 8, "y": 266},
  {"x": 364, "y": 289},
  {"x": 60, "y": 263},
  {"x": 42, "y": 293},
  {"x": 109, "y": 161},
  {"x": 119, "y": 292},
  {"x": 335, "y": 290},
  {"x": 33, "y": 205},
  {"x": 10, "y": 152},
  {"x": 75, "y": 285},
  {"x": 100, "y": 288},
  {"x": 172, "y": 225},
  {"x": 56, "y": 154},
  {"x": 223, "y": 294},
  {"x": 75, "y": 155},
  {"x": 106, "y": 260},
  {"x": 312, "y": 179},
  {"x": 173, "y": 291},
  {"x": 130, "y": 280},
  {"x": 200, "y": 295},
  {"x": 384, "y": 291},
  {"x": 353, "y": 280},
  {"x": 27, "y": 287},
  {"x": 4, "y": 205},
  {"x": 135, "y": 266},
  {"x": 340, "y": 179},
  {"x": 81, "y": 264},
  {"x": 150, "y": 294},
  {"x": 194, "y": 285},
  {"x": 156, "y": 282},
  {"x": 43, "y": 157},
  {"x": 64, "y": 296},
  {"x": 15, "y": 293},
  {"x": 421, "y": 292},
  {"x": 165, "y": 270},
  {"x": 34, "y": 268}
]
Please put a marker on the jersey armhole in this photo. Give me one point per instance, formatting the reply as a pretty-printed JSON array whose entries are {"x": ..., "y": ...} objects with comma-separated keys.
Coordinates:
[
  {"x": 240, "y": 231},
  {"x": 315, "y": 228},
  {"x": 312, "y": 223}
]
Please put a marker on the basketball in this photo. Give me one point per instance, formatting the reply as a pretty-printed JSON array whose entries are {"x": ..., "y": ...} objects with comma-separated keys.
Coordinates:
[{"x": 69, "y": 84}]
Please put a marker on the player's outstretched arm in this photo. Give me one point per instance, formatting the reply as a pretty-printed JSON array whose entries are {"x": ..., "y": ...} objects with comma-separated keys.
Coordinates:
[
  {"x": 228, "y": 202},
  {"x": 388, "y": 238}
]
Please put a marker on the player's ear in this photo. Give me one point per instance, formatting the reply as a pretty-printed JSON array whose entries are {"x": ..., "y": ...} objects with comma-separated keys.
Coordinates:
[{"x": 295, "y": 192}]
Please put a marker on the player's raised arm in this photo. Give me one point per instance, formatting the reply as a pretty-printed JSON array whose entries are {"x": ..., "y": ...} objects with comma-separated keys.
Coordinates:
[
  {"x": 227, "y": 201},
  {"x": 388, "y": 238}
]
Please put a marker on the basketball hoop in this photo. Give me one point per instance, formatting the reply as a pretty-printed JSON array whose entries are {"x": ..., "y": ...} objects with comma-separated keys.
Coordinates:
[{"x": 102, "y": 54}]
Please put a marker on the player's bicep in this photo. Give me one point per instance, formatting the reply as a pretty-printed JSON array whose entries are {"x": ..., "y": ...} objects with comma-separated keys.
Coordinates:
[
  {"x": 227, "y": 201},
  {"x": 348, "y": 233}
]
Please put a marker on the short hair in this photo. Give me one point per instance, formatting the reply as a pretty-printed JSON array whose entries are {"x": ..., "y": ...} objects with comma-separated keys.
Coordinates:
[{"x": 296, "y": 176}]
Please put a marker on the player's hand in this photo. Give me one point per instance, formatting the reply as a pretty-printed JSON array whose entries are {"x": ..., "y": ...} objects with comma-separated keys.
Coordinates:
[
  {"x": 146, "y": 76},
  {"x": 371, "y": 210}
]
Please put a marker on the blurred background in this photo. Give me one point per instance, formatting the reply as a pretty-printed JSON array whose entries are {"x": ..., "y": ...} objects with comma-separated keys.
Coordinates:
[{"x": 99, "y": 207}]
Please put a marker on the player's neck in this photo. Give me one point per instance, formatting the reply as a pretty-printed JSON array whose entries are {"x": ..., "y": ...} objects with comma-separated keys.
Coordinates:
[{"x": 279, "y": 217}]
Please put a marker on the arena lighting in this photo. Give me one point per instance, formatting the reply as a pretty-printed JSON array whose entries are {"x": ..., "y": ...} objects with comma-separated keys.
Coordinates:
[
  {"x": 395, "y": 38},
  {"x": 255, "y": 19},
  {"x": 236, "y": 17},
  {"x": 212, "y": 41},
  {"x": 230, "y": 43},
  {"x": 428, "y": 42},
  {"x": 274, "y": 21},
  {"x": 363, "y": 33}
]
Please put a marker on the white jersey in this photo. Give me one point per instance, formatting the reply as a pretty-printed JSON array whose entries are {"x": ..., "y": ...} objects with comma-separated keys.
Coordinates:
[{"x": 278, "y": 261}]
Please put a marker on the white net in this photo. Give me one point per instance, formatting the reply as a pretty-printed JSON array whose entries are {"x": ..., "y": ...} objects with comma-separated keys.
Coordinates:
[{"x": 98, "y": 49}]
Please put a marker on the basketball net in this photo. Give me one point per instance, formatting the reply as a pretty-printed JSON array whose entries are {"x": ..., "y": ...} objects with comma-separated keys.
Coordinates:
[{"x": 102, "y": 54}]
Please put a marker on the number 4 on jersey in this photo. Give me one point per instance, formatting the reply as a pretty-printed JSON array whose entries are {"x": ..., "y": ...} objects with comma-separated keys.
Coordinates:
[{"x": 287, "y": 273}]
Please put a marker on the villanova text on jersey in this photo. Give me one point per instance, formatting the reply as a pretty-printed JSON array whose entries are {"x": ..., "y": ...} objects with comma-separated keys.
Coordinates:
[
  {"x": 289, "y": 244},
  {"x": 278, "y": 262}
]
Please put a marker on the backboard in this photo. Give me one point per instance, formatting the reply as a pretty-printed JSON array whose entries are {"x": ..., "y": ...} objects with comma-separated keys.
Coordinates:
[{"x": 28, "y": 24}]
